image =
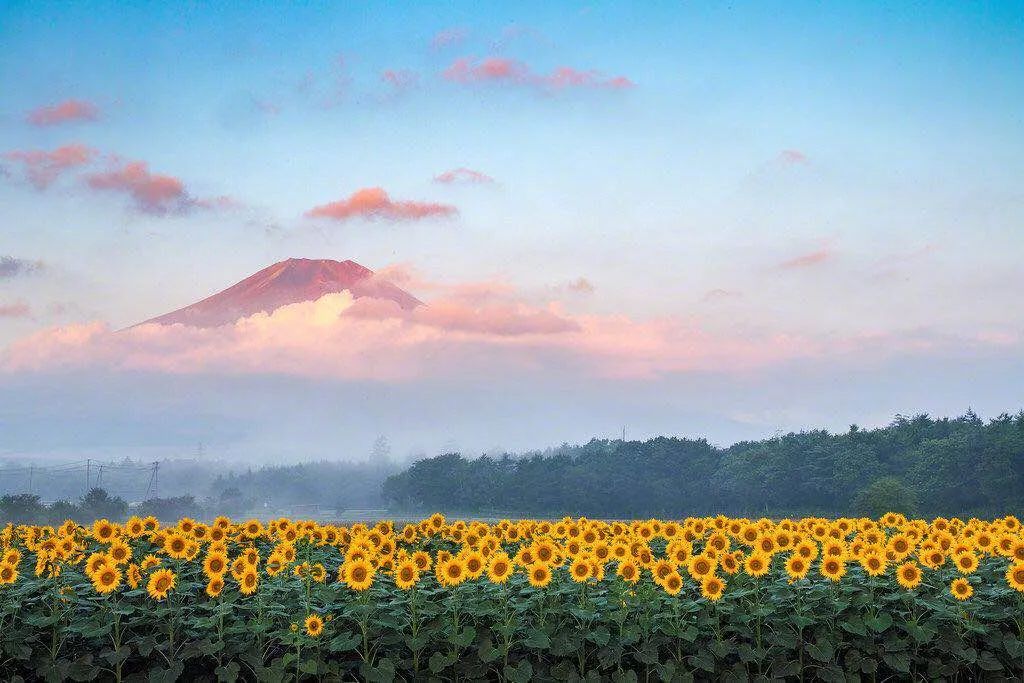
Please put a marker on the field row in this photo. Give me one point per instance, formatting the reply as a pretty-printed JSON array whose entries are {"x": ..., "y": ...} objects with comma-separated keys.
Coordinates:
[{"x": 516, "y": 600}]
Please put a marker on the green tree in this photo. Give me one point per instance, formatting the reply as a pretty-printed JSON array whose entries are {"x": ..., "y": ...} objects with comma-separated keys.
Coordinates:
[{"x": 887, "y": 494}]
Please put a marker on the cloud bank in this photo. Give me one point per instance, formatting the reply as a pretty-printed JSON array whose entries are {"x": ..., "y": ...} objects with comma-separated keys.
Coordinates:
[
  {"x": 374, "y": 203},
  {"x": 68, "y": 111},
  {"x": 505, "y": 71}
]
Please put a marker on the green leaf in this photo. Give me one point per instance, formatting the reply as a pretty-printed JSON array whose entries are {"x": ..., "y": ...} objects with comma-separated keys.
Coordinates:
[
  {"x": 384, "y": 672},
  {"x": 464, "y": 637},
  {"x": 228, "y": 672},
  {"x": 899, "y": 661},
  {"x": 854, "y": 625},
  {"x": 879, "y": 622},
  {"x": 439, "y": 662},
  {"x": 522, "y": 673},
  {"x": 344, "y": 642},
  {"x": 538, "y": 640},
  {"x": 600, "y": 636}
]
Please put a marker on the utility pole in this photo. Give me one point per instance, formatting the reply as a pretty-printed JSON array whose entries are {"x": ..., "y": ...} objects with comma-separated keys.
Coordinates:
[
  {"x": 99, "y": 479},
  {"x": 31, "y": 471},
  {"x": 88, "y": 481},
  {"x": 151, "y": 488},
  {"x": 623, "y": 433},
  {"x": 156, "y": 479}
]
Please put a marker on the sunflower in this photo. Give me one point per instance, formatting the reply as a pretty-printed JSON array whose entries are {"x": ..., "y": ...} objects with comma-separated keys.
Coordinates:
[
  {"x": 96, "y": 562},
  {"x": 474, "y": 563},
  {"x": 107, "y": 579},
  {"x": 314, "y": 625},
  {"x": 807, "y": 550},
  {"x": 908, "y": 575},
  {"x": 1017, "y": 550},
  {"x": 499, "y": 568},
  {"x": 1015, "y": 576},
  {"x": 797, "y": 566},
  {"x": 422, "y": 560},
  {"x": 539, "y": 574},
  {"x": 712, "y": 588},
  {"x": 8, "y": 573},
  {"x": 961, "y": 589},
  {"x": 406, "y": 575},
  {"x": 133, "y": 576},
  {"x": 103, "y": 531},
  {"x": 249, "y": 581},
  {"x": 661, "y": 569},
  {"x": 161, "y": 582},
  {"x": 580, "y": 570},
  {"x": 873, "y": 564},
  {"x": 757, "y": 564},
  {"x": 900, "y": 544},
  {"x": 318, "y": 573},
  {"x": 119, "y": 551},
  {"x": 358, "y": 574},
  {"x": 966, "y": 562},
  {"x": 176, "y": 546},
  {"x": 730, "y": 562},
  {"x": 215, "y": 586},
  {"x": 701, "y": 566},
  {"x": 215, "y": 564},
  {"x": 628, "y": 571},
  {"x": 834, "y": 549},
  {"x": 933, "y": 558},
  {"x": 238, "y": 567},
  {"x": 673, "y": 583},
  {"x": 832, "y": 568},
  {"x": 765, "y": 544},
  {"x": 150, "y": 562}
]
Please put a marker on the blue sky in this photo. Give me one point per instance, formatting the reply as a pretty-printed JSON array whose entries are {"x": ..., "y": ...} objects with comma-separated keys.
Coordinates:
[{"x": 838, "y": 184}]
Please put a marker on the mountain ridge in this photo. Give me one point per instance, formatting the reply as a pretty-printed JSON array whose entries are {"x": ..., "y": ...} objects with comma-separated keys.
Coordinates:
[{"x": 291, "y": 281}]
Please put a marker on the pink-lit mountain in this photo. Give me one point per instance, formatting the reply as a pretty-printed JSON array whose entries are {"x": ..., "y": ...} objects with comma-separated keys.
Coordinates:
[{"x": 287, "y": 282}]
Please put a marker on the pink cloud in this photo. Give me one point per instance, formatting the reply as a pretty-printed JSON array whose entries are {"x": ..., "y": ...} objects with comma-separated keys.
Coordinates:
[
  {"x": 448, "y": 37},
  {"x": 374, "y": 203},
  {"x": 567, "y": 77},
  {"x": 813, "y": 258},
  {"x": 463, "y": 175},
  {"x": 15, "y": 310},
  {"x": 63, "y": 112},
  {"x": 41, "y": 167},
  {"x": 792, "y": 156},
  {"x": 400, "y": 79},
  {"x": 477, "y": 331},
  {"x": 467, "y": 70},
  {"x": 151, "y": 192}
]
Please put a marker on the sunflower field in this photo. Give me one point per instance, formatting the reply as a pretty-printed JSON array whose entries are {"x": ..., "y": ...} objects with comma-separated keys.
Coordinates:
[{"x": 699, "y": 598}]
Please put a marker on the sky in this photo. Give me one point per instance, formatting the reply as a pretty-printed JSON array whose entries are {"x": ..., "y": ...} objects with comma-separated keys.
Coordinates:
[{"x": 696, "y": 219}]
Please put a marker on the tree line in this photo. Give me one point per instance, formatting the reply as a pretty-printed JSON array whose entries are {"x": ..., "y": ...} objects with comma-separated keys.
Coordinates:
[{"x": 917, "y": 465}]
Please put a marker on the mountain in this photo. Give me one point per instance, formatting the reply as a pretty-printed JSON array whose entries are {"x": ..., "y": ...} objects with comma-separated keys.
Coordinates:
[{"x": 287, "y": 282}]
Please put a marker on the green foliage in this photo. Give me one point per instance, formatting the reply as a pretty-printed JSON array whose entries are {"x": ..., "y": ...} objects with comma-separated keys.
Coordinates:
[
  {"x": 765, "y": 629},
  {"x": 887, "y": 494},
  {"x": 959, "y": 466},
  {"x": 26, "y": 508}
]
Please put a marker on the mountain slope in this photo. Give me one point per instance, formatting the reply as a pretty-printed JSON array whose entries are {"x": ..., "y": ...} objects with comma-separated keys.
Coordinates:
[{"x": 283, "y": 283}]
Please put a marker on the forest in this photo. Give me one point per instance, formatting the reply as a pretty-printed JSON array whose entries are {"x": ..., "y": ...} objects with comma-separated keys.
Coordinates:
[{"x": 916, "y": 465}]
